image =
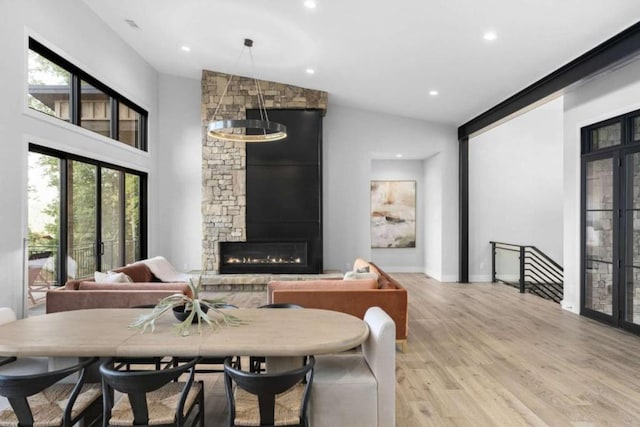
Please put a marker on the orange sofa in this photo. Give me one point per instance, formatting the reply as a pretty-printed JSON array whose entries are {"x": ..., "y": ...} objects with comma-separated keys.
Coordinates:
[
  {"x": 86, "y": 293},
  {"x": 349, "y": 296}
]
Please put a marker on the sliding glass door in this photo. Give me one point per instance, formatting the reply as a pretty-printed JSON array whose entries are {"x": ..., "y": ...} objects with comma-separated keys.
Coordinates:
[
  {"x": 82, "y": 219},
  {"x": 87, "y": 213},
  {"x": 112, "y": 223}
]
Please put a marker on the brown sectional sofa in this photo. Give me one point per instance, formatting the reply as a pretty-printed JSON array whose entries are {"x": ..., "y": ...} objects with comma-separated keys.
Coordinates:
[
  {"x": 349, "y": 296},
  {"x": 86, "y": 293}
]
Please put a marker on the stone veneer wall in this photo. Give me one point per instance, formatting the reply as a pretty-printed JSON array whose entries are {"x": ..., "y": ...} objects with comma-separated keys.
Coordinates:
[{"x": 224, "y": 163}]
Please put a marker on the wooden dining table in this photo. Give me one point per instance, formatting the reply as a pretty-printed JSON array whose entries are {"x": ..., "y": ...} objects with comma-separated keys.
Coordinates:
[{"x": 105, "y": 332}]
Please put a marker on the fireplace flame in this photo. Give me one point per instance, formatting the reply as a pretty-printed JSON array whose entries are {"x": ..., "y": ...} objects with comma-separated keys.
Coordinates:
[{"x": 267, "y": 260}]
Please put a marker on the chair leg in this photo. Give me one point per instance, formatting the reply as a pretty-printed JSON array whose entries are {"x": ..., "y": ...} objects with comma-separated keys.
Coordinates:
[{"x": 201, "y": 407}]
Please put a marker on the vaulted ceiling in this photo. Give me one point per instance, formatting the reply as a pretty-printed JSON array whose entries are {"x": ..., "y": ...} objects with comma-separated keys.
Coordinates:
[{"x": 377, "y": 55}]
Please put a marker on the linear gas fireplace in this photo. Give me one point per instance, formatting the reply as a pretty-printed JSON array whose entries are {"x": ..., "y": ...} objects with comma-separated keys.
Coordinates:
[{"x": 264, "y": 257}]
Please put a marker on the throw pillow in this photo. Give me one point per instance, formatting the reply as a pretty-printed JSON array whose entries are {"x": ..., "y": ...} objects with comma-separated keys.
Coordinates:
[
  {"x": 111, "y": 277},
  {"x": 363, "y": 269},
  {"x": 354, "y": 275}
]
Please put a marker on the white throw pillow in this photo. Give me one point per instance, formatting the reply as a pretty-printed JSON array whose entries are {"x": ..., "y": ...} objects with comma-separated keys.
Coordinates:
[
  {"x": 354, "y": 275},
  {"x": 111, "y": 277}
]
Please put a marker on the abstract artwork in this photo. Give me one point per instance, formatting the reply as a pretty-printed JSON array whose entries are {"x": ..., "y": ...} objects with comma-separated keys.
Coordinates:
[{"x": 393, "y": 214}]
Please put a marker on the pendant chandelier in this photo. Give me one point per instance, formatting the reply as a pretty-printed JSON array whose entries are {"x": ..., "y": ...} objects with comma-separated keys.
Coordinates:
[{"x": 226, "y": 130}]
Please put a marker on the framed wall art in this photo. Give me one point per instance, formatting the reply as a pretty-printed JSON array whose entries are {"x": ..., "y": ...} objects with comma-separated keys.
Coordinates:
[{"x": 393, "y": 214}]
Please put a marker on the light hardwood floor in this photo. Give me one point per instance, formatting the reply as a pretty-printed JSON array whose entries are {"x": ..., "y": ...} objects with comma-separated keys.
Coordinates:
[{"x": 485, "y": 355}]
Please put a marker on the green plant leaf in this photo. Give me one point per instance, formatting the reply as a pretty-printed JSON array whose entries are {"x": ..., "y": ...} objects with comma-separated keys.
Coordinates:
[{"x": 194, "y": 306}]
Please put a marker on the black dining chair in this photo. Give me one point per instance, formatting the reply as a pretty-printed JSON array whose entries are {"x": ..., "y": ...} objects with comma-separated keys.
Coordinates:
[
  {"x": 218, "y": 362},
  {"x": 43, "y": 399},
  {"x": 270, "y": 399},
  {"x": 256, "y": 363},
  {"x": 152, "y": 397}
]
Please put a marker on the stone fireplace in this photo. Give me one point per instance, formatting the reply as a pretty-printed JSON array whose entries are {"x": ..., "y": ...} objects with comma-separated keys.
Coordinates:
[{"x": 224, "y": 164}]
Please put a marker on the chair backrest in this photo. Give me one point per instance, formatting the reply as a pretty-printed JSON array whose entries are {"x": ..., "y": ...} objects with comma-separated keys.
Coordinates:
[
  {"x": 16, "y": 388},
  {"x": 267, "y": 386},
  {"x": 379, "y": 350},
  {"x": 136, "y": 384},
  {"x": 281, "y": 305},
  {"x": 7, "y": 315}
]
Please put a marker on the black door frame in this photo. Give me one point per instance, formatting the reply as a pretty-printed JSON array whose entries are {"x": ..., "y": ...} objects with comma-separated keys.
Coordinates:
[{"x": 621, "y": 236}]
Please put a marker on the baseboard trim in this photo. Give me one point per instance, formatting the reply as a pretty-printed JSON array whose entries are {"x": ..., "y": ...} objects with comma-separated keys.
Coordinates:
[{"x": 480, "y": 278}]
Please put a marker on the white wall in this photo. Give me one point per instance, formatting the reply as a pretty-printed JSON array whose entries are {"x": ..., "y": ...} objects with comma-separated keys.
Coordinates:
[
  {"x": 433, "y": 218},
  {"x": 180, "y": 172},
  {"x": 73, "y": 31},
  {"x": 606, "y": 96},
  {"x": 352, "y": 138},
  {"x": 515, "y": 187},
  {"x": 403, "y": 259}
]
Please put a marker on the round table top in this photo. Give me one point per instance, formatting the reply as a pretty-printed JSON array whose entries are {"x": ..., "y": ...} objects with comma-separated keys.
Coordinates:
[{"x": 105, "y": 332}]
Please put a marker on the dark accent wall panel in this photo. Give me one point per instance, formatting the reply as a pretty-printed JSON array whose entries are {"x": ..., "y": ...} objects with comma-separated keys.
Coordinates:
[{"x": 284, "y": 183}]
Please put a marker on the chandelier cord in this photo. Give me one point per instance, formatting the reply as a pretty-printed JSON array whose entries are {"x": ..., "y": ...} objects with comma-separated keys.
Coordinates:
[
  {"x": 224, "y": 93},
  {"x": 261, "y": 104}
]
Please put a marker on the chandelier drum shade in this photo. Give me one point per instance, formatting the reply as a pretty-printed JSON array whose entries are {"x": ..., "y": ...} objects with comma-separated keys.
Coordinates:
[{"x": 262, "y": 130}]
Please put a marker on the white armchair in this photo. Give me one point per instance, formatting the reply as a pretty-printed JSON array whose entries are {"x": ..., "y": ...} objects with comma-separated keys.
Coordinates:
[{"x": 358, "y": 389}]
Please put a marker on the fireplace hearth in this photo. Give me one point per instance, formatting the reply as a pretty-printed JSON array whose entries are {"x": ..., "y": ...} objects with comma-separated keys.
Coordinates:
[{"x": 264, "y": 257}]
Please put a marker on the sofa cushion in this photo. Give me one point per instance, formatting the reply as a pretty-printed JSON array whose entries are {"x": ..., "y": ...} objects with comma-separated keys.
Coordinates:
[
  {"x": 111, "y": 277},
  {"x": 361, "y": 264},
  {"x": 138, "y": 272},
  {"x": 353, "y": 275},
  {"x": 383, "y": 280}
]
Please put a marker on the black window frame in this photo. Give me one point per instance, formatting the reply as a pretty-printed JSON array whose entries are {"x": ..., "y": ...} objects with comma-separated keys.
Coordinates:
[
  {"x": 77, "y": 76},
  {"x": 65, "y": 157}
]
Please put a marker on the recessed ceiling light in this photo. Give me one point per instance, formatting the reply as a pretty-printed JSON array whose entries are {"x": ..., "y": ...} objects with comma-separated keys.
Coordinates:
[
  {"x": 310, "y": 4},
  {"x": 185, "y": 48},
  {"x": 398, "y": 155},
  {"x": 433, "y": 92},
  {"x": 310, "y": 71},
  {"x": 490, "y": 35}
]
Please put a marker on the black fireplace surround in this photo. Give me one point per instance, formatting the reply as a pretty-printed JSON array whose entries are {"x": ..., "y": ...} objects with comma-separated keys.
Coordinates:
[{"x": 284, "y": 201}]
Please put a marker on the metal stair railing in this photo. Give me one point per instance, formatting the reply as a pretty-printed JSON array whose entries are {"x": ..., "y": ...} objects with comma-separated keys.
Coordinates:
[{"x": 537, "y": 272}]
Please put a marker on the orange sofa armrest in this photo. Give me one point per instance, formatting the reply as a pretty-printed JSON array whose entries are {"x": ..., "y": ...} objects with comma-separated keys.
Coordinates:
[{"x": 355, "y": 302}]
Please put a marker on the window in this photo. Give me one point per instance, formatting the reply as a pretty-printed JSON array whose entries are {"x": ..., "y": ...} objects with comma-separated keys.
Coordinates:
[
  {"x": 95, "y": 109},
  {"x": 129, "y": 121},
  {"x": 49, "y": 87},
  {"x": 606, "y": 136},
  {"x": 87, "y": 212},
  {"x": 62, "y": 90}
]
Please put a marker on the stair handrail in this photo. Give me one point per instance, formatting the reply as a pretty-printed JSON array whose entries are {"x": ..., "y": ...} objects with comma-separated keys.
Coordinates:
[
  {"x": 548, "y": 258},
  {"x": 539, "y": 273}
]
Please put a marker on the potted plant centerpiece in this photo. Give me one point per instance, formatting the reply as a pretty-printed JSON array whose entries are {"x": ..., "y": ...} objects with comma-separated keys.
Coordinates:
[{"x": 188, "y": 309}]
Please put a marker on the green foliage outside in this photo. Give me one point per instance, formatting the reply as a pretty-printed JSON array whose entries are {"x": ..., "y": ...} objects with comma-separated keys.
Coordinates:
[{"x": 82, "y": 210}]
